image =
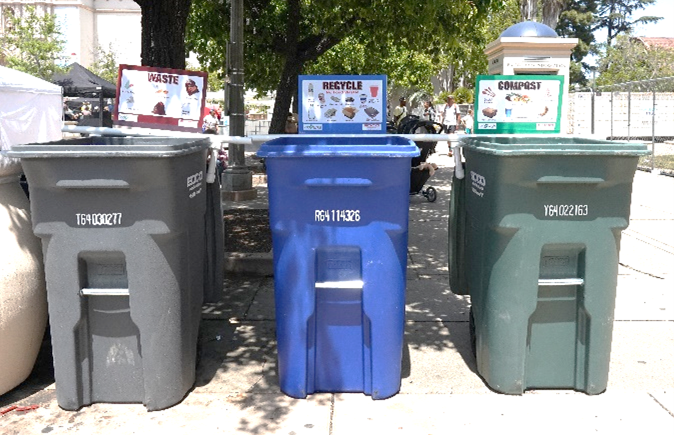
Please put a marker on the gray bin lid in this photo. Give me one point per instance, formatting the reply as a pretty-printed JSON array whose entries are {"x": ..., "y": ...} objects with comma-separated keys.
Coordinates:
[
  {"x": 550, "y": 145},
  {"x": 106, "y": 147}
]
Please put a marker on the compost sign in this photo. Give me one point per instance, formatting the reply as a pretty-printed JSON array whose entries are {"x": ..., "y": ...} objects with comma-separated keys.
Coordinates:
[
  {"x": 518, "y": 104},
  {"x": 342, "y": 104},
  {"x": 171, "y": 99}
]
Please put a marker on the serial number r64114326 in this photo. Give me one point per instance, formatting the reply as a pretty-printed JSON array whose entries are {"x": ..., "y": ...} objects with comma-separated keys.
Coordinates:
[{"x": 336, "y": 215}]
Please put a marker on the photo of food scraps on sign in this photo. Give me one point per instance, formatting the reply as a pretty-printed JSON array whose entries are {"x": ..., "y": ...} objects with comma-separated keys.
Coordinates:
[{"x": 518, "y": 100}]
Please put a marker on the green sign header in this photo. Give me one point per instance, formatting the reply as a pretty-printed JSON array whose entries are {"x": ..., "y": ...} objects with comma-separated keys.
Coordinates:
[{"x": 526, "y": 104}]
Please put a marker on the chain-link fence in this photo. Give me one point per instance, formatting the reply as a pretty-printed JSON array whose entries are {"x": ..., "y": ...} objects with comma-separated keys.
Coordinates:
[
  {"x": 259, "y": 126},
  {"x": 633, "y": 111}
]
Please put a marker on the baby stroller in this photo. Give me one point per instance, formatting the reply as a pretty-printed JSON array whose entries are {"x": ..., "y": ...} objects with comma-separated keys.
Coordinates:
[{"x": 421, "y": 170}]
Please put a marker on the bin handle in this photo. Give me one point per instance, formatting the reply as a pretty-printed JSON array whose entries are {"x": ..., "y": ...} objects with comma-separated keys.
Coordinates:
[
  {"x": 552, "y": 179},
  {"x": 93, "y": 184},
  {"x": 357, "y": 284},
  {"x": 338, "y": 182},
  {"x": 210, "y": 172},
  {"x": 104, "y": 292},
  {"x": 561, "y": 282}
]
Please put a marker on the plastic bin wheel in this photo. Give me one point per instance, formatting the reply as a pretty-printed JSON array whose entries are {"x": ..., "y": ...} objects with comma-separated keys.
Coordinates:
[{"x": 431, "y": 194}]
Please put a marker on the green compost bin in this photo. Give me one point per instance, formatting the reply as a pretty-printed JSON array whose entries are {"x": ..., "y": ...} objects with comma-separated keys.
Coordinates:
[{"x": 535, "y": 244}]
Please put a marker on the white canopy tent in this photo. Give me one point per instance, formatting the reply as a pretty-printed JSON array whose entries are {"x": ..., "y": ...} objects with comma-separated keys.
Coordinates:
[{"x": 30, "y": 111}]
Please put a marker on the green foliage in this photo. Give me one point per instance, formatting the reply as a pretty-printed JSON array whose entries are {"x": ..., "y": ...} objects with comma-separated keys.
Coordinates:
[
  {"x": 408, "y": 41},
  {"x": 442, "y": 97},
  {"x": 216, "y": 81},
  {"x": 105, "y": 64},
  {"x": 630, "y": 60},
  {"x": 468, "y": 57},
  {"x": 32, "y": 43},
  {"x": 576, "y": 75},
  {"x": 583, "y": 18},
  {"x": 407, "y": 69},
  {"x": 257, "y": 108},
  {"x": 577, "y": 21},
  {"x": 463, "y": 95},
  {"x": 659, "y": 161}
]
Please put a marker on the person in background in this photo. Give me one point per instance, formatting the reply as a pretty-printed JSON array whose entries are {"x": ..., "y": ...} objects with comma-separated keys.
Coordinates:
[
  {"x": 210, "y": 125},
  {"x": 291, "y": 124},
  {"x": 467, "y": 121},
  {"x": 68, "y": 113},
  {"x": 451, "y": 115},
  {"x": 429, "y": 111},
  {"x": 400, "y": 111},
  {"x": 85, "y": 110},
  {"x": 450, "y": 118}
]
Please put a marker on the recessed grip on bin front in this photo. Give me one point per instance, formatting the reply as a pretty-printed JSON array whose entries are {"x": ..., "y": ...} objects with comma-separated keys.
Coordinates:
[
  {"x": 553, "y": 179},
  {"x": 97, "y": 183},
  {"x": 338, "y": 182},
  {"x": 557, "y": 282},
  {"x": 104, "y": 292}
]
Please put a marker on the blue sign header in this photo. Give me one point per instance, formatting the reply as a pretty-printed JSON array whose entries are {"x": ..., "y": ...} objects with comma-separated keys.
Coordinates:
[{"x": 342, "y": 104}]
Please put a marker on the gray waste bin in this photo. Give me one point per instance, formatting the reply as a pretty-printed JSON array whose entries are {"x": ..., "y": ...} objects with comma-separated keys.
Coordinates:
[{"x": 122, "y": 227}]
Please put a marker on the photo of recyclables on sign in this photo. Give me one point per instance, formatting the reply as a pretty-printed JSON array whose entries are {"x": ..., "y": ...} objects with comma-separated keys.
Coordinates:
[{"x": 335, "y": 101}]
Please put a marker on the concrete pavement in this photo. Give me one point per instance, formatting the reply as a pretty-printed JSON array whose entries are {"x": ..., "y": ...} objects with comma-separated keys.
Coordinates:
[{"x": 237, "y": 386}]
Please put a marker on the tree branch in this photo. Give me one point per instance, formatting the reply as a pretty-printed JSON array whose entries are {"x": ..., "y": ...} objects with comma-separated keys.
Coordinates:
[{"x": 312, "y": 47}]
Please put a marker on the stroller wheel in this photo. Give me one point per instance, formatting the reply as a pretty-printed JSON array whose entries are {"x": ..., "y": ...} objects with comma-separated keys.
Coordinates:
[{"x": 431, "y": 194}]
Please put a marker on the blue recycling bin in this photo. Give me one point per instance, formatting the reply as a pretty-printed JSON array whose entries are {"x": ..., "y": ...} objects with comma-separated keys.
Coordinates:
[{"x": 338, "y": 209}]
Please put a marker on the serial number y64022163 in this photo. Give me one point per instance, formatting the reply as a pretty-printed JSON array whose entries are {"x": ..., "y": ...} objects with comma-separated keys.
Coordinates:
[{"x": 565, "y": 210}]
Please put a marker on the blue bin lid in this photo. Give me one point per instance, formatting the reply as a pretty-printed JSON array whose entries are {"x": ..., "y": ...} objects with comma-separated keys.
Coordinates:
[{"x": 339, "y": 146}]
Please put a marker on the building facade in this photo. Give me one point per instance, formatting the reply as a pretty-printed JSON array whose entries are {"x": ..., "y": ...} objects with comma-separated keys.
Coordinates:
[{"x": 88, "y": 26}]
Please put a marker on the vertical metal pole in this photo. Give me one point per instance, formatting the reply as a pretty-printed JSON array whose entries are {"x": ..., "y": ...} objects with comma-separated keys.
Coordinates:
[
  {"x": 629, "y": 111},
  {"x": 592, "y": 112},
  {"x": 236, "y": 104},
  {"x": 612, "y": 95},
  {"x": 237, "y": 177},
  {"x": 592, "y": 102},
  {"x": 653, "y": 135},
  {"x": 100, "y": 105}
]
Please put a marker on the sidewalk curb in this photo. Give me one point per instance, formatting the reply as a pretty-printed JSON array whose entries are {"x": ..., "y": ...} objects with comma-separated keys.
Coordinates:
[{"x": 256, "y": 264}]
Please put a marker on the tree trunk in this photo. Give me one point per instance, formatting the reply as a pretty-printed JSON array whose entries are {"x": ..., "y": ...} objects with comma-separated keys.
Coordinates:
[
  {"x": 287, "y": 87},
  {"x": 297, "y": 53},
  {"x": 163, "y": 35},
  {"x": 611, "y": 25},
  {"x": 551, "y": 11},
  {"x": 528, "y": 10}
]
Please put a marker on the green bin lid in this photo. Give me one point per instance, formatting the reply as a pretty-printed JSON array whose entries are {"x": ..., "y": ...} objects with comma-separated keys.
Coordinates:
[{"x": 507, "y": 145}]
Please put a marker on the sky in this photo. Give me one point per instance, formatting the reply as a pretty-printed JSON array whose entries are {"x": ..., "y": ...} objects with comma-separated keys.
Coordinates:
[{"x": 664, "y": 27}]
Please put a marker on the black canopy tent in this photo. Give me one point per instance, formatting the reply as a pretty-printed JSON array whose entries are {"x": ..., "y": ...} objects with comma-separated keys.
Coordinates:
[{"x": 80, "y": 82}]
